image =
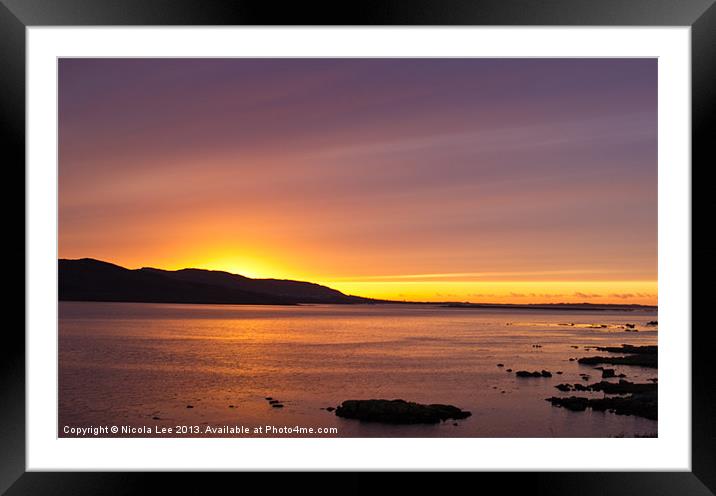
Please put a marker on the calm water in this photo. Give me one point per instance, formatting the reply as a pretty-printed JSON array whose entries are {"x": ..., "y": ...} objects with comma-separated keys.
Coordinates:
[{"x": 124, "y": 364}]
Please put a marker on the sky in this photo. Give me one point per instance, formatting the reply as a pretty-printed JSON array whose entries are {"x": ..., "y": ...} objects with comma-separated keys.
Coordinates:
[{"x": 483, "y": 180}]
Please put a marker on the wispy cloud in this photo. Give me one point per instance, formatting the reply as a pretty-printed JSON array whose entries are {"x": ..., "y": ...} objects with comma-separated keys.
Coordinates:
[
  {"x": 475, "y": 275},
  {"x": 587, "y": 295}
]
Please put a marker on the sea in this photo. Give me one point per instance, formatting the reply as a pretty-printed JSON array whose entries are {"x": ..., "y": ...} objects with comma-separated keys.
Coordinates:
[{"x": 178, "y": 370}]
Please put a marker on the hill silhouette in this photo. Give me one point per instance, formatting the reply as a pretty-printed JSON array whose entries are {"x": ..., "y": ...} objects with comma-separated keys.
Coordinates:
[{"x": 88, "y": 279}]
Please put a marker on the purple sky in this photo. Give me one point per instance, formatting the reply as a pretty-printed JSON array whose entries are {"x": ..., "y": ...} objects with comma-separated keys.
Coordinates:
[{"x": 357, "y": 169}]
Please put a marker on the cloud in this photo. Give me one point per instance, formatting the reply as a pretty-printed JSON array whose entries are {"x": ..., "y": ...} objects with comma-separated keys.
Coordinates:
[
  {"x": 623, "y": 296},
  {"x": 587, "y": 295}
]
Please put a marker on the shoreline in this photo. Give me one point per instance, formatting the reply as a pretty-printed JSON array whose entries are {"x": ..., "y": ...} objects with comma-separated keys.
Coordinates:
[{"x": 568, "y": 307}]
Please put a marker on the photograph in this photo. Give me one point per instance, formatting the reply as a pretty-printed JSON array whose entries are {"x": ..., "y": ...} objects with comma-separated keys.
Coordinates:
[{"x": 369, "y": 247}]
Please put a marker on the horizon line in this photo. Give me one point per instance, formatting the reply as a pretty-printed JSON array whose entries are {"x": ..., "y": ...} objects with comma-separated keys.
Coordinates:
[{"x": 388, "y": 300}]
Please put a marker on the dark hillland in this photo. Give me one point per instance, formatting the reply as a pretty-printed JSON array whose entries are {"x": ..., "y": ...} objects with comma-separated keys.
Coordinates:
[{"x": 87, "y": 279}]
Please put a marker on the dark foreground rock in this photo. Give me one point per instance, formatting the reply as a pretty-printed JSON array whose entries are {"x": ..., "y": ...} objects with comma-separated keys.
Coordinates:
[
  {"x": 642, "y": 356},
  {"x": 525, "y": 373},
  {"x": 398, "y": 412},
  {"x": 628, "y": 348},
  {"x": 623, "y": 397},
  {"x": 649, "y": 361},
  {"x": 574, "y": 403},
  {"x": 607, "y": 373},
  {"x": 639, "y": 404},
  {"x": 621, "y": 387},
  {"x": 633, "y": 398}
]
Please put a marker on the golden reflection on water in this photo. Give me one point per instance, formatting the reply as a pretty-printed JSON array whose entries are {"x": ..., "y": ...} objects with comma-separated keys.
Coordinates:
[{"x": 141, "y": 364}]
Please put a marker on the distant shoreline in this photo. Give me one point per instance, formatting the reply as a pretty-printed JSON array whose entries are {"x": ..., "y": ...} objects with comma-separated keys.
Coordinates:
[
  {"x": 496, "y": 306},
  {"x": 557, "y": 306}
]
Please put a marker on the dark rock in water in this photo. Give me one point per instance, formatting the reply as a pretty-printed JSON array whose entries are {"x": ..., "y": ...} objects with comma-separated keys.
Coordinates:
[
  {"x": 231, "y": 406},
  {"x": 643, "y": 404},
  {"x": 268, "y": 398},
  {"x": 559, "y": 372},
  {"x": 500, "y": 365},
  {"x": 398, "y": 412},
  {"x": 536, "y": 346},
  {"x": 156, "y": 418},
  {"x": 509, "y": 370},
  {"x": 571, "y": 359},
  {"x": 273, "y": 402},
  {"x": 277, "y": 405},
  {"x": 628, "y": 348},
  {"x": 639, "y": 404},
  {"x": 330, "y": 409},
  {"x": 622, "y": 387},
  {"x": 642, "y": 356},
  {"x": 573, "y": 403},
  {"x": 524, "y": 373},
  {"x": 641, "y": 360},
  {"x": 652, "y": 323},
  {"x": 630, "y": 326},
  {"x": 606, "y": 373},
  {"x": 575, "y": 347},
  {"x": 455, "y": 424},
  {"x": 190, "y": 406}
]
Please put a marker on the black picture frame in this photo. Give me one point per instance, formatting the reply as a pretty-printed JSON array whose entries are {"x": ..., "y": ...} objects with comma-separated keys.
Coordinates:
[{"x": 700, "y": 15}]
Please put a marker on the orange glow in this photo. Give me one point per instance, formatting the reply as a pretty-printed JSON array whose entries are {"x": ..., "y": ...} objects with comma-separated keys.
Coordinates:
[
  {"x": 404, "y": 179},
  {"x": 639, "y": 292}
]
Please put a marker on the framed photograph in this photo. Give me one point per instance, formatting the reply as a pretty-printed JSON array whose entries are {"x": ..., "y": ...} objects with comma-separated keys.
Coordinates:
[{"x": 450, "y": 236}]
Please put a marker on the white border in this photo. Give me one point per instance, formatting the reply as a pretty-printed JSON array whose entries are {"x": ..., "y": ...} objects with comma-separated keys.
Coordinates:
[{"x": 671, "y": 451}]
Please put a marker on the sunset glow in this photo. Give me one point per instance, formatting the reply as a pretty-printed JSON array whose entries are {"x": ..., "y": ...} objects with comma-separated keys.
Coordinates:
[{"x": 482, "y": 180}]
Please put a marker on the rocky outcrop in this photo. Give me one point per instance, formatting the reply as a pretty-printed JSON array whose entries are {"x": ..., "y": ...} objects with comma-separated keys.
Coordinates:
[
  {"x": 642, "y": 356},
  {"x": 525, "y": 373},
  {"x": 631, "y": 399},
  {"x": 639, "y": 404},
  {"x": 398, "y": 412}
]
